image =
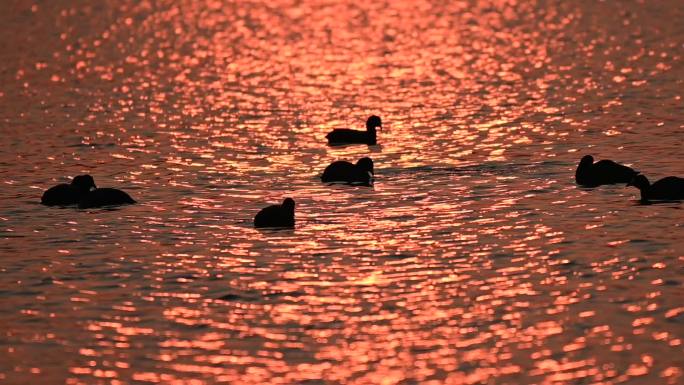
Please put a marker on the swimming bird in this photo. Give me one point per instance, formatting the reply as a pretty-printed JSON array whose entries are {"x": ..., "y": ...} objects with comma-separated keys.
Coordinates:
[
  {"x": 668, "y": 188},
  {"x": 343, "y": 171},
  {"x": 592, "y": 174},
  {"x": 346, "y": 136},
  {"x": 277, "y": 215},
  {"x": 68, "y": 194},
  {"x": 104, "y": 197}
]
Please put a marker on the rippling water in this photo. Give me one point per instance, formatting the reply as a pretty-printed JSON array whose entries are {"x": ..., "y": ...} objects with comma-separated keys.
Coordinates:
[{"x": 473, "y": 260}]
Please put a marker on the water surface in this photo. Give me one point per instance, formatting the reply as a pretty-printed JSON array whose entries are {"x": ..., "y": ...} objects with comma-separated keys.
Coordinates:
[{"x": 473, "y": 260}]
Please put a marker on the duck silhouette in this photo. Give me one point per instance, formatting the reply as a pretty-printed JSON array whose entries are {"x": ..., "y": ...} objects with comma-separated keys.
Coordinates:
[
  {"x": 590, "y": 174},
  {"x": 100, "y": 197},
  {"x": 341, "y": 136},
  {"x": 343, "y": 171},
  {"x": 281, "y": 215},
  {"x": 668, "y": 188},
  {"x": 68, "y": 194},
  {"x": 83, "y": 191}
]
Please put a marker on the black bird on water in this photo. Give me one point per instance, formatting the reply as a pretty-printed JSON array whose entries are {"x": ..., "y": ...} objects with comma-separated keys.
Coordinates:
[
  {"x": 68, "y": 194},
  {"x": 277, "y": 215},
  {"x": 668, "y": 188},
  {"x": 343, "y": 171},
  {"x": 105, "y": 197},
  {"x": 341, "y": 136},
  {"x": 82, "y": 191},
  {"x": 592, "y": 174}
]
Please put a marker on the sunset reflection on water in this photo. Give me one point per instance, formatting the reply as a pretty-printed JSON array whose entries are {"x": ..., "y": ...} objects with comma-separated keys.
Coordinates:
[{"x": 474, "y": 259}]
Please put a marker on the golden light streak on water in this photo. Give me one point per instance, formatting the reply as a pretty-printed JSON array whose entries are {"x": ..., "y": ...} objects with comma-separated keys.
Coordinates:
[{"x": 474, "y": 259}]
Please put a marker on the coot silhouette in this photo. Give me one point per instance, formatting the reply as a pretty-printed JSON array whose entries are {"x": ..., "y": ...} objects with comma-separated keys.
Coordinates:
[
  {"x": 592, "y": 174},
  {"x": 277, "y": 215},
  {"x": 668, "y": 188},
  {"x": 340, "y": 136},
  {"x": 68, "y": 194},
  {"x": 104, "y": 197},
  {"x": 343, "y": 171}
]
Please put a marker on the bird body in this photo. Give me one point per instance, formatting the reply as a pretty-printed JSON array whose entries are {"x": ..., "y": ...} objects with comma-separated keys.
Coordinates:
[
  {"x": 349, "y": 136},
  {"x": 592, "y": 174},
  {"x": 341, "y": 136},
  {"x": 276, "y": 215},
  {"x": 104, "y": 197},
  {"x": 61, "y": 195},
  {"x": 668, "y": 188},
  {"x": 343, "y": 171},
  {"x": 68, "y": 194}
]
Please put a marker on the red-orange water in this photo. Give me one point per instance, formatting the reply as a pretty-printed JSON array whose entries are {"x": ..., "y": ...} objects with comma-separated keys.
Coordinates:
[{"x": 473, "y": 260}]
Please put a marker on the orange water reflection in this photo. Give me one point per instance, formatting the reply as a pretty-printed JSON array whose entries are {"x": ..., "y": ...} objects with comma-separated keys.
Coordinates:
[{"x": 472, "y": 260}]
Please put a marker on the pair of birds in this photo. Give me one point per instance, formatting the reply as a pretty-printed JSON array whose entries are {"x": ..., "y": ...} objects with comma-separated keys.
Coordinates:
[
  {"x": 590, "y": 174},
  {"x": 282, "y": 215},
  {"x": 361, "y": 173},
  {"x": 83, "y": 192}
]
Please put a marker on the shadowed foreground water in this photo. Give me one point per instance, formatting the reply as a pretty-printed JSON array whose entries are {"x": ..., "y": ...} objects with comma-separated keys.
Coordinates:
[{"x": 473, "y": 260}]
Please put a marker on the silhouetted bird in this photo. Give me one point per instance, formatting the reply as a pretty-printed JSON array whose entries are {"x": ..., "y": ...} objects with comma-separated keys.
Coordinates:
[
  {"x": 592, "y": 174},
  {"x": 668, "y": 188},
  {"x": 343, "y": 171},
  {"x": 347, "y": 136},
  {"x": 104, "y": 197},
  {"x": 68, "y": 194},
  {"x": 277, "y": 215}
]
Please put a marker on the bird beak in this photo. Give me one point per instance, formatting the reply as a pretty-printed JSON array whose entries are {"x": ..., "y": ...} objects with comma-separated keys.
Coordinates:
[{"x": 93, "y": 187}]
